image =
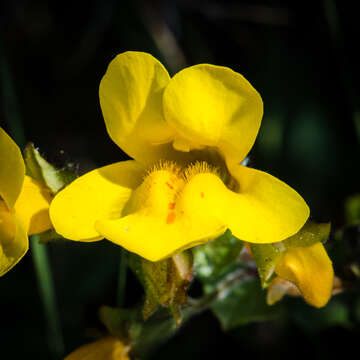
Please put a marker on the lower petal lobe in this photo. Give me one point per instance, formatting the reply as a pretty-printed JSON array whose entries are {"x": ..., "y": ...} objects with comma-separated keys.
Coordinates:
[
  {"x": 264, "y": 209},
  {"x": 99, "y": 194}
]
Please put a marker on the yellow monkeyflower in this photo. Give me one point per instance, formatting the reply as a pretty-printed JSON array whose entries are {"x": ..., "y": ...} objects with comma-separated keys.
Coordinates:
[
  {"x": 188, "y": 135},
  {"x": 24, "y": 205},
  {"x": 107, "y": 348},
  {"x": 310, "y": 269}
]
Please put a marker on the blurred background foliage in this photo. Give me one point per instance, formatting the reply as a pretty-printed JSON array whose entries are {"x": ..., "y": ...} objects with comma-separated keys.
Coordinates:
[{"x": 301, "y": 57}]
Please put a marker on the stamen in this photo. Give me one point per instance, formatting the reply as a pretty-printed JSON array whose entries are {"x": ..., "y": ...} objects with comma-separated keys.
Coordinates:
[
  {"x": 166, "y": 165},
  {"x": 199, "y": 167}
]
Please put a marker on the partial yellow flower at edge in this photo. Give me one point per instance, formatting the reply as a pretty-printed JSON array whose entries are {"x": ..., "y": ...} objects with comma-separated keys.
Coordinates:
[
  {"x": 32, "y": 206},
  {"x": 206, "y": 117},
  {"x": 310, "y": 269},
  {"x": 107, "y": 348},
  {"x": 23, "y": 205}
]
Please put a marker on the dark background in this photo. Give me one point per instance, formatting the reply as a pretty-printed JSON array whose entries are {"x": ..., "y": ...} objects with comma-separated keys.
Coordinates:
[{"x": 300, "y": 56}]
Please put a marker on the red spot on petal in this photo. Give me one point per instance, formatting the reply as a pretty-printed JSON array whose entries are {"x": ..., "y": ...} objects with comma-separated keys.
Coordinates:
[
  {"x": 170, "y": 186},
  {"x": 172, "y": 206},
  {"x": 170, "y": 218},
  {"x": 202, "y": 194}
]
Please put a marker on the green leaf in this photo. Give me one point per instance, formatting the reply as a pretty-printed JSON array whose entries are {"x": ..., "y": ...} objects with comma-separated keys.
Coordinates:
[
  {"x": 213, "y": 258},
  {"x": 335, "y": 313},
  {"x": 243, "y": 303},
  {"x": 41, "y": 170},
  {"x": 165, "y": 282}
]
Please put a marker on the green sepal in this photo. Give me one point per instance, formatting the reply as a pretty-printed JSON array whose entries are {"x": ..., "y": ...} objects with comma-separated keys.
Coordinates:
[
  {"x": 165, "y": 282},
  {"x": 44, "y": 172},
  {"x": 267, "y": 255},
  {"x": 310, "y": 234},
  {"x": 214, "y": 257},
  {"x": 47, "y": 236}
]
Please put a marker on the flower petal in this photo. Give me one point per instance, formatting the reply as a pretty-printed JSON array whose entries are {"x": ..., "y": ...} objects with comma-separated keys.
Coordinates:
[
  {"x": 154, "y": 239},
  {"x": 131, "y": 102},
  {"x": 213, "y": 106},
  {"x": 265, "y": 210},
  {"x": 13, "y": 239},
  {"x": 164, "y": 218},
  {"x": 32, "y": 206},
  {"x": 101, "y": 193},
  {"x": 12, "y": 169},
  {"x": 310, "y": 269},
  {"x": 161, "y": 224},
  {"x": 278, "y": 288},
  {"x": 107, "y": 348}
]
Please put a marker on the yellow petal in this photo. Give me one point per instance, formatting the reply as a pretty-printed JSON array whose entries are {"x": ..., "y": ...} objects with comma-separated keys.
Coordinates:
[
  {"x": 32, "y": 206},
  {"x": 310, "y": 269},
  {"x": 13, "y": 239},
  {"x": 265, "y": 210},
  {"x": 131, "y": 102},
  {"x": 163, "y": 218},
  {"x": 107, "y": 348},
  {"x": 169, "y": 213},
  {"x": 213, "y": 106},
  {"x": 12, "y": 169},
  {"x": 101, "y": 193}
]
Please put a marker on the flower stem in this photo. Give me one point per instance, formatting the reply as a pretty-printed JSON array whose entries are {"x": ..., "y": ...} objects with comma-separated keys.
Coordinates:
[
  {"x": 121, "y": 278},
  {"x": 47, "y": 292}
]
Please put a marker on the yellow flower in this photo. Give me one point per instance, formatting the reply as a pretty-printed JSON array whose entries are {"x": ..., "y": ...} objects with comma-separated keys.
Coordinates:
[
  {"x": 107, "y": 348},
  {"x": 310, "y": 269},
  {"x": 24, "y": 205},
  {"x": 188, "y": 135}
]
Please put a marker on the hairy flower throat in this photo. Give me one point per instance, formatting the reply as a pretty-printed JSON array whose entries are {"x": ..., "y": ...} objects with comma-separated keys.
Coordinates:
[{"x": 161, "y": 189}]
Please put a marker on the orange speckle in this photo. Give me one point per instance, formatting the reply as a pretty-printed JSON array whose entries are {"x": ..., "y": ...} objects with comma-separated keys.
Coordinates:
[
  {"x": 170, "y": 218},
  {"x": 170, "y": 186},
  {"x": 202, "y": 194},
  {"x": 172, "y": 206}
]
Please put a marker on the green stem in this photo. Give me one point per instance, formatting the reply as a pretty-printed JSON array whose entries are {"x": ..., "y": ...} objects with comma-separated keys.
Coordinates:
[
  {"x": 47, "y": 293},
  {"x": 121, "y": 278},
  {"x": 161, "y": 325}
]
